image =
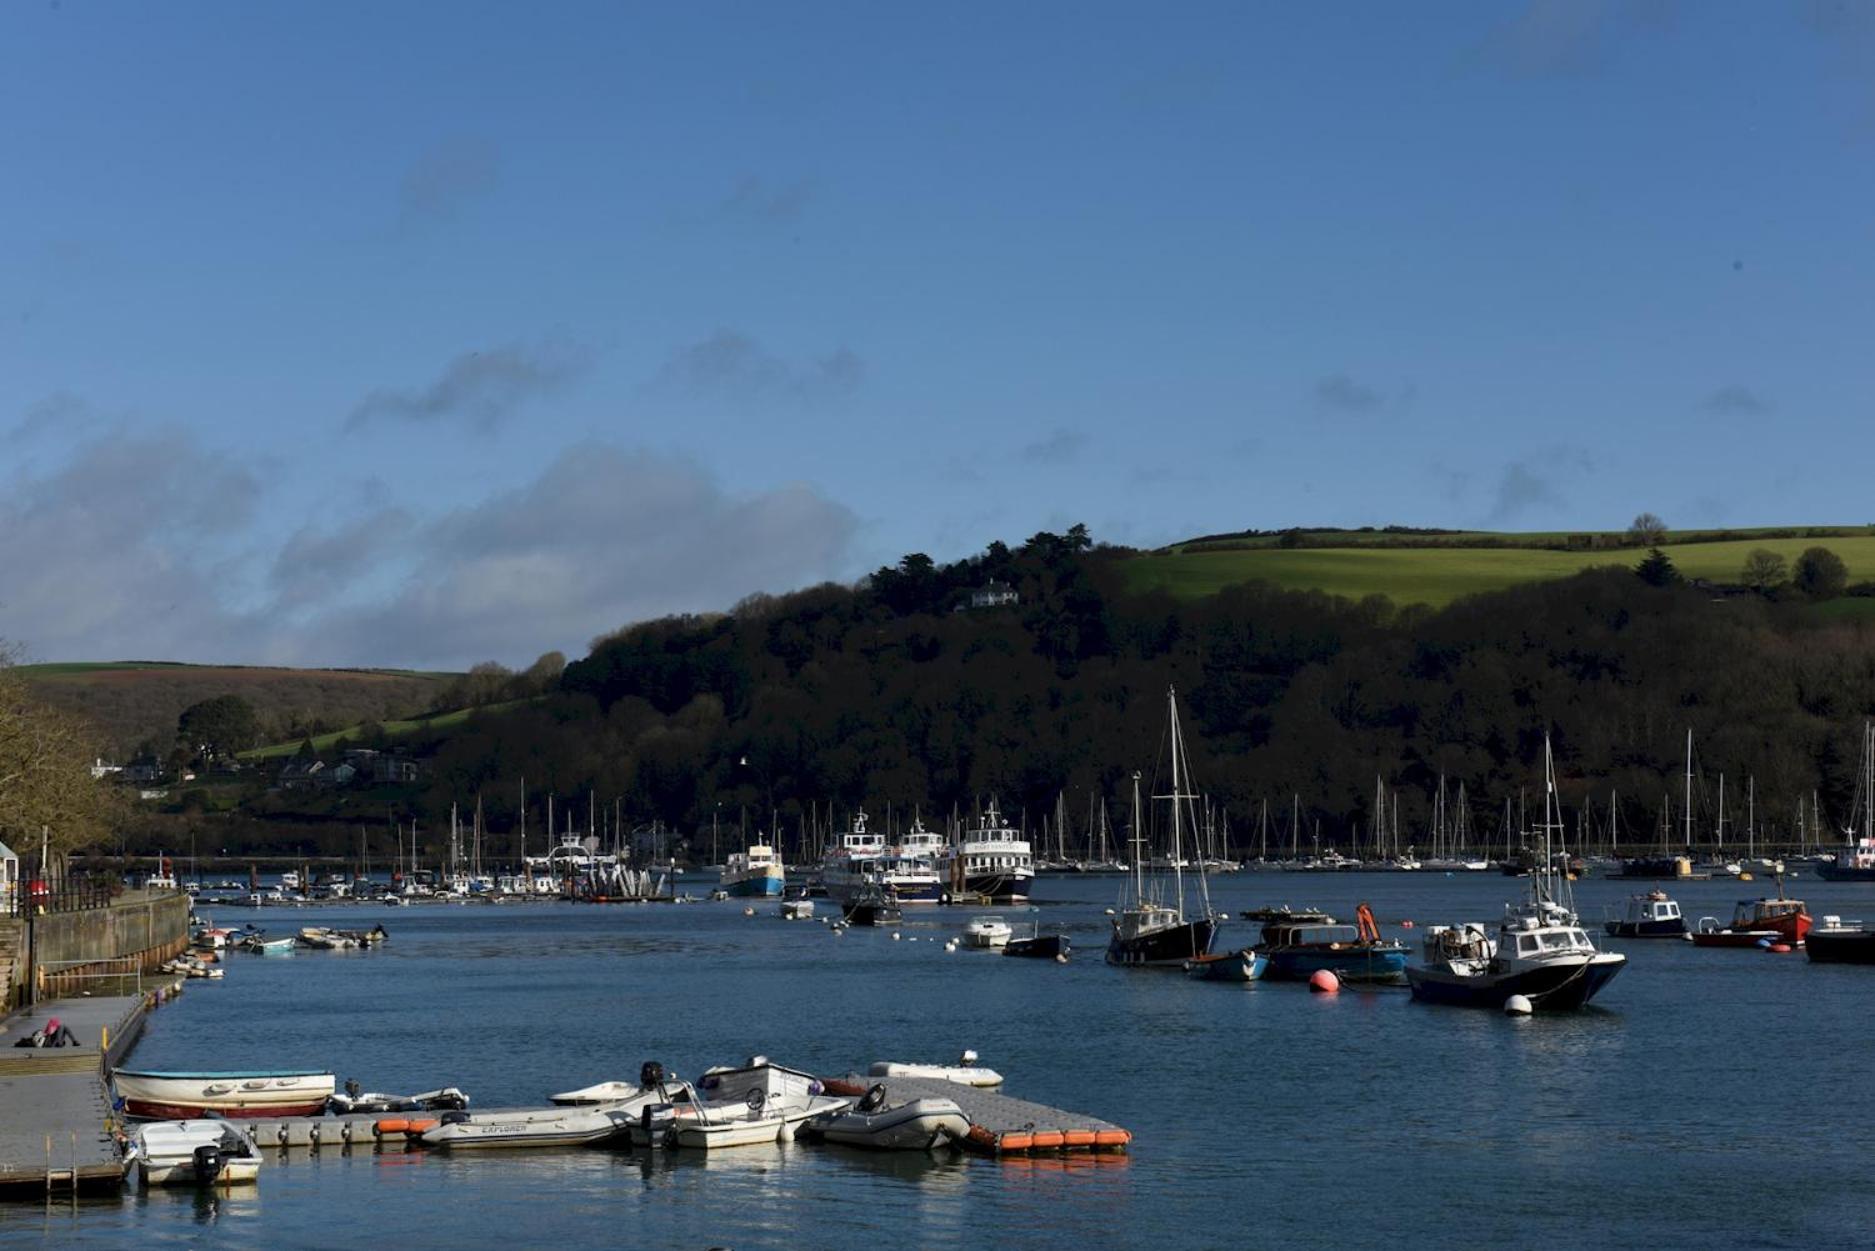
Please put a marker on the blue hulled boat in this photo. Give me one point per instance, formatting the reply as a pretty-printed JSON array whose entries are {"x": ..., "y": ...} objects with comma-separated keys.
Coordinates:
[
  {"x": 1296, "y": 950},
  {"x": 755, "y": 874}
]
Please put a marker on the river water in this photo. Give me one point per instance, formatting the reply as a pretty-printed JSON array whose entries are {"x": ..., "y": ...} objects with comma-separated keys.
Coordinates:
[{"x": 1263, "y": 1115}]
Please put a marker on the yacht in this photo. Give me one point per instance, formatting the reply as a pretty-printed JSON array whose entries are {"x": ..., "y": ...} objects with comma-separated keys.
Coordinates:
[{"x": 990, "y": 861}]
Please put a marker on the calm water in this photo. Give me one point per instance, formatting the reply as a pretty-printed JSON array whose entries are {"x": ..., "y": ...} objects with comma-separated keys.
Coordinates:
[{"x": 1263, "y": 1114}]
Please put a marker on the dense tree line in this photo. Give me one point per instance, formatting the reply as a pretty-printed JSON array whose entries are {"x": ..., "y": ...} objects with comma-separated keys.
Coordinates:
[{"x": 887, "y": 694}]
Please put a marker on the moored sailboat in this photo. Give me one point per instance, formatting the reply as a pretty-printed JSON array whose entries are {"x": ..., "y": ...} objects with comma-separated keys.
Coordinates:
[{"x": 1152, "y": 929}]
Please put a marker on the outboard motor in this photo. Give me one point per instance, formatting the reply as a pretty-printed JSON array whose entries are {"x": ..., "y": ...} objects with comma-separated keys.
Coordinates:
[
  {"x": 873, "y": 1099},
  {"x": 352, "y": 1088},
  {"x": 456, "y": 1118},
  {"x": 657, "y": 1122},
  {"x": 208, "y": 1162},
  {"x": 650, "y": 1074}
]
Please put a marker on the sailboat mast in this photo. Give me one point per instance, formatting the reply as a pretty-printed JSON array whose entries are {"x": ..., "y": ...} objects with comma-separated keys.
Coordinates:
[
  {"x": 1178, "y": 859},
  {"x": 1688, "y": 817}
]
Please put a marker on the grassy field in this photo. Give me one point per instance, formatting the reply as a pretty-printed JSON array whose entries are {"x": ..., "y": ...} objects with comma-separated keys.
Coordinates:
[
  {"x": 326, "y": 742},
  {"x": 1439, "y": 575},
  {"x": 133, "y": 701}
]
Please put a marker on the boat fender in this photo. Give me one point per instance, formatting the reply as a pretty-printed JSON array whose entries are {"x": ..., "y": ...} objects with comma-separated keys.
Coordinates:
[
  {"x": 873, "y": 1099},
  {"x": 279, "y": 1135},
  {"x": 312, "y": 1134}
]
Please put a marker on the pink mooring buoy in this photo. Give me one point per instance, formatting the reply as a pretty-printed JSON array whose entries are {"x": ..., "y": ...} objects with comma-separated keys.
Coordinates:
[
  {"x": 1781, "y": 949},
  {"x": 1324, "y": 982}
]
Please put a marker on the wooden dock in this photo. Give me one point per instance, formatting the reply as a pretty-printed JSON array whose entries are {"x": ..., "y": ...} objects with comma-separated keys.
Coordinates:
[
  {"x": 55, "y": 1135},
  {"x": 1001, "y": 1125}
]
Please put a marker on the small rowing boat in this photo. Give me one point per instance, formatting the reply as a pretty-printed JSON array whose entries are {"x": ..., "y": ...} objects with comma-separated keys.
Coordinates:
[{"x": 174, "y": 1096}]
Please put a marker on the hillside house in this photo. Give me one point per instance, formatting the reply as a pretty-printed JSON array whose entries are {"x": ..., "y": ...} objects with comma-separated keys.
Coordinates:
[{"x": 993, "y": 594}]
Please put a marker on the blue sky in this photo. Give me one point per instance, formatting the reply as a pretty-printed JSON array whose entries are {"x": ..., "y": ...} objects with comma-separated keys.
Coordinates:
[{"x": 430, "y": 333}]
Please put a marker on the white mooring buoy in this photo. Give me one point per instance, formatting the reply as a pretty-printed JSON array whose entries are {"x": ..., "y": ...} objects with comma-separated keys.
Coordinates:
[{"x": 1517, "y": 1005}]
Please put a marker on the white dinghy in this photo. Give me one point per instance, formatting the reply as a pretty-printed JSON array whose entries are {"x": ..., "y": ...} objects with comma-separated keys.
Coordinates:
[
  {"x": 566, "y": 1124},
  {"x": 194, "y": 1153},
  {"x": 920, "y": 1124},
  {"x": 966, "y": 1072}
]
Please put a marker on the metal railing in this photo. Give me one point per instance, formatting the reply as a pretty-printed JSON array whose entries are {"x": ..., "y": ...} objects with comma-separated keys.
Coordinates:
[{"x": 38, "y": 896}]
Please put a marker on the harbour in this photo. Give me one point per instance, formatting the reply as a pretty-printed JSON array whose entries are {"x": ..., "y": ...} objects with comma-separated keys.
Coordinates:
[{"x": 560, "y": 996}]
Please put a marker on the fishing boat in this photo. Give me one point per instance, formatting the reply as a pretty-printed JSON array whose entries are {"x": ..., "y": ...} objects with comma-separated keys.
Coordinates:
[
  {"x": 966, "y": 1072},
  {"x": 1247, "y": 965},
  {"x": 1756, "y": 922},
  {"x": 755, "y": 873},
  {"x": 878, "y": 1122},
  {"x": 987, "y": 931},
  {"x": 1152, "y": 927},
  {"x": 991, "y": 860},
  {"x": 1839, "y": 942},
  {"x": 175, "y": 1096},
  {"x": 1297, "y": 950},
  {"x": 1652, "y": 915},
  {"x": 1540, "y": 952},
  {"x": 194, "y": 1153}
]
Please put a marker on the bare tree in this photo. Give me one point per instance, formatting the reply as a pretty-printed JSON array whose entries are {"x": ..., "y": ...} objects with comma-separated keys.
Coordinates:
[
  {"x": 45, "y": 771},
  {"x": 1647, "y": 530}
]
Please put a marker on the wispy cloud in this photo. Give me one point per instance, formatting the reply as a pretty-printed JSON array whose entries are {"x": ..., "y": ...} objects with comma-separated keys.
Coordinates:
[
  {"x": 1057, "y": 448},
  {"x": 603, "y": 537},
  {"x": 1347, "y": 395},
  {"x": 117, "y": 550},
  {"x": 62, "y": 412},
  {"x": 446, "y": 178},
  {"x": 1537, "y": 482},
  {"x": 729, "y": 364},
  {"x": 1735, "y": 400},
  {"x": 1565, "y": 38},
  {"x": 765, "y": 200},
  {"x": 479, "y": 389}
]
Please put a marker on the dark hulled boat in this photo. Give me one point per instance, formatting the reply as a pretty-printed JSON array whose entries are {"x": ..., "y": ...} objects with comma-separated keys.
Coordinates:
[
  {"x": 1652, "y": 915},
  {"x": 1841, "y": 944},
  {"x": 1155, "y": 930},
  {"x": 1040, "y": 947}
]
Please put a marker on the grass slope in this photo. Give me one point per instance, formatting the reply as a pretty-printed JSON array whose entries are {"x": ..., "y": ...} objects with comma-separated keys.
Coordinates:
[
  {"x": 326, "y": 742},
  {"x": 131, "y": 700},
  {"x": 1439, "y": 575}
]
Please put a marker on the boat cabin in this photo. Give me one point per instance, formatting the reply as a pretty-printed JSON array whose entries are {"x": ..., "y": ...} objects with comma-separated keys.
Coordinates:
[
  {"x": 1765, "y": 913},
  {"x": 1305, "y": 934},
  {"x": 1548, "y": 941},
  {"x": 1653, "y": 906}
]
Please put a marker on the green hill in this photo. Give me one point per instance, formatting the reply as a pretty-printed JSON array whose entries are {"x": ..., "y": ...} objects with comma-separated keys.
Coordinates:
[
  {"x": 133, "y": 701},
  {"x": 1435, "y": 569}
]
